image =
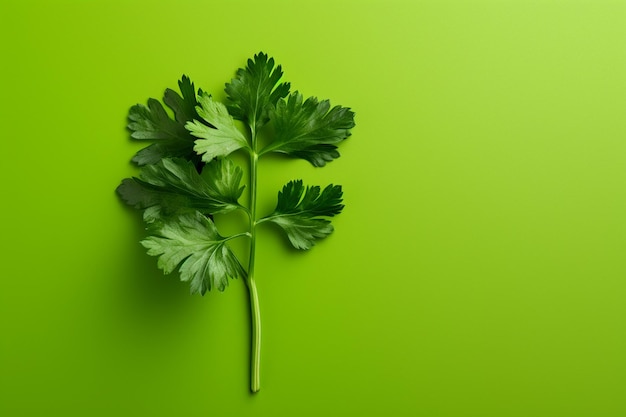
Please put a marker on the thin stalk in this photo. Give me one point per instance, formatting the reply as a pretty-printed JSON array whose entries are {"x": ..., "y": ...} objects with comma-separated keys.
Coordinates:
[
  {"x": 226, "y": 239},
  {"x": 255, "y": 354},
  {"x": 255, "y": 360}
]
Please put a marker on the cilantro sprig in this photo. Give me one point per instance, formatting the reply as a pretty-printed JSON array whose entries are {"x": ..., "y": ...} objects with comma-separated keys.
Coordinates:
[{"x": 186, "y": 176}]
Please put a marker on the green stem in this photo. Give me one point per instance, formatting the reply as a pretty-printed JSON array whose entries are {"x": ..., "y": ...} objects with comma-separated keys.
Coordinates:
[
  {"x": 226, "y": 239},
  {"x": 255, "y": 360},
  {"x": 255, "y": 356}
]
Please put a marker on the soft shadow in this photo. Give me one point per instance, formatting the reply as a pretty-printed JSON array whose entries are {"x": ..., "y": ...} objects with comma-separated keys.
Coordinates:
[{"x": 143, "y": 289}]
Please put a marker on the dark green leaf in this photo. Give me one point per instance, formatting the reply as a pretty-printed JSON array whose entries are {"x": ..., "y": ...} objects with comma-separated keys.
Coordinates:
[
  {"x": 300, "y": 212},
  {"x": 254, "y": 91},
  {"x": 174, "y": 184},
  {"x": 309, "y": 130},
  {"x": 152, "y": 122},
  {"x": 184, "y": 107},
  {"x": 192, "y": 241}
]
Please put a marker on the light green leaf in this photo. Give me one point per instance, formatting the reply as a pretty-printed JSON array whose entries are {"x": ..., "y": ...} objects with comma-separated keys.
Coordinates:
[
  {"x": 191, "y": 242},
  {"x": 221, "y": 140}
]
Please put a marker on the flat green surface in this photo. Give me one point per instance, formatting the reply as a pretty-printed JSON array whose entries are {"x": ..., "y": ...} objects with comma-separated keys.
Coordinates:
[{"x": 479, "y": 268}]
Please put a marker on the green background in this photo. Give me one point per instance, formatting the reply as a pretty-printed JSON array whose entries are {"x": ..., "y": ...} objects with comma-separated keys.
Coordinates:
[{"x": 478, "y": 269}]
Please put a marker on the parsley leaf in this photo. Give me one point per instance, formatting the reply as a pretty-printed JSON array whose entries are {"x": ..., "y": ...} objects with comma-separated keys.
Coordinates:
[
  {"x": 309, "y": 130},
  {"x": 153, "y": 123},
  {"x": 191, "y": 240},
  {"x": 174, "y": 184},
  {"x": 220, "y": 140},
  {"x": 184, "y": 107},
  {"x": 300, "y": 211},
  {"x": 186, "y": 176},
  {"x": 253, "y": 93}
]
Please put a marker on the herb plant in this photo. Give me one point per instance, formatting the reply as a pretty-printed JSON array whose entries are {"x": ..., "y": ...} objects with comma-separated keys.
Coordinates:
[{"x": 186, "y": 175}]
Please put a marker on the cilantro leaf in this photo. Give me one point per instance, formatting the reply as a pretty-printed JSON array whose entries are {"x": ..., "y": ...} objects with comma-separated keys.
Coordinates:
[
  {"x": 152, "y": 122},
  {"x": 220, "y": 140},
  {"x": 174, "y": 184},
  {"x": 253, "y": 93},
  {"x": 300, "y": 211},
  {"x": 192, "y": 241},
  {"x": 309, "y": 130}
]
